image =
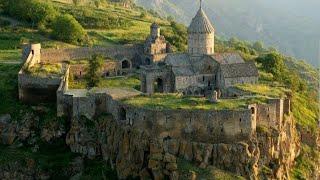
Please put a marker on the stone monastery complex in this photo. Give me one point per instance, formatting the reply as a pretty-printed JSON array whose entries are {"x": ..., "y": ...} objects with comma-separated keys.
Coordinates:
[{"x": 199, "y": 73}]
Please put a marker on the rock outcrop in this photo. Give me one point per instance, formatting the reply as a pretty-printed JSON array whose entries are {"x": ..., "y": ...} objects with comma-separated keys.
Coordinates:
[{"x": 133, "y": 152}]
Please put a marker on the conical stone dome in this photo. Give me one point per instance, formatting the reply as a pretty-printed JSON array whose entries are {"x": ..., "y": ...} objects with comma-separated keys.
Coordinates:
[{"x": 201, "y": 24}]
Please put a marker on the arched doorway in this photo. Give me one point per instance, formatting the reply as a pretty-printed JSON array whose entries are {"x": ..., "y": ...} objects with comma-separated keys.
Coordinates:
[
  {"x": 125, "y": 64},
  {"x": 158, "y": 85},
  {"x": 122, "y": 114},
  {"x": 148, "y": 61}
]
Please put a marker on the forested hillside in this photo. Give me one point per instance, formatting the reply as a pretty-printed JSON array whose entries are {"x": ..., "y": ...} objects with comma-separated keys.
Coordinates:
[{"x": 292, "y": 26}]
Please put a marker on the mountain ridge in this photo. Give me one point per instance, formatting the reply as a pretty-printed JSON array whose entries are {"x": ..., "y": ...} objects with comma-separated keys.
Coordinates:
[{"x": 292, "y": 27}]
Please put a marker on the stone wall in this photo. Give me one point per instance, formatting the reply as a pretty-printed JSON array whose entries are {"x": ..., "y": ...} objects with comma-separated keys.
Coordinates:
[
  {"x": 200, "y": 43},
  {"x": 156, "y": 79},
  {"x": 110, "y": 68},
  {"x": 200, "y": 125},
  {"x": 271, "y": 115},
  {"x": 134, "y": 152},
  {"x": 37, "y": 89},
  {"x": 115, "y": 52}
]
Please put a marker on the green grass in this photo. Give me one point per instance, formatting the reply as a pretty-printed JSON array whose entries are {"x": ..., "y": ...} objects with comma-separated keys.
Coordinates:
[
  {"x": 175, "y": 101},
  {"x": 264, "y": 89},
  {"x": 115, "y": 82},
  {"x": 9, "y": 90},
  {"x": 185, "y": 167},
  {"x": 10, "y": 55},
  {"x": 305, "y": 163},
  {"x": 45, "y": 70},
  {"x": 305, "y": 109}
]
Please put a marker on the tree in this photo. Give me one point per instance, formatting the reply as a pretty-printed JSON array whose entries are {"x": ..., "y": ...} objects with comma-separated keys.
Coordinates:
[
  {"x": 273, "y": 63},
  {"x": 258, "y": 46},
  {"x": 67, "y": 28},
  {"x": 94, "y": 71},
  {"x": 32, "y": 11}
]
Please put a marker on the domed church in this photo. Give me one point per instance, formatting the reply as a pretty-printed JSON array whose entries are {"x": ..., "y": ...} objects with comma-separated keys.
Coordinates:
[{"x": 198, "y": 71}]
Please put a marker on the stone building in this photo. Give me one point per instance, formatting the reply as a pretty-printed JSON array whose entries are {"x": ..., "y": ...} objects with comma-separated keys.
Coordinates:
[
  {"x": 156, "y": 46},
  {"x": 200, "y": 70}
]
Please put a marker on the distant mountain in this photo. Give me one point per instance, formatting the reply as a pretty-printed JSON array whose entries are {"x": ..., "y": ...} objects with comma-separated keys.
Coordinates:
[{"x": 292, "y": 26}]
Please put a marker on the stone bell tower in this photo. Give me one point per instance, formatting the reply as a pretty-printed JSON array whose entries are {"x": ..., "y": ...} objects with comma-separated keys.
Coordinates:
[{"x": 200, "y": 35}]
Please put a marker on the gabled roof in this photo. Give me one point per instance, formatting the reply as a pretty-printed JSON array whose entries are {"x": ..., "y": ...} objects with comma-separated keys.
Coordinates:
[
  {"x": 247, "y": 69},
  {"x": 200, "y": 24},
  {"x": 227, "y": 58},
  {"x": 178, "y": 59},
  {"x": 180, "y": 64}
]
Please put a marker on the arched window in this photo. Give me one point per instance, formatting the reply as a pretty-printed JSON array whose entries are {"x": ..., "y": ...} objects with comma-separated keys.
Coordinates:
[{"x": 125, "y": 64}]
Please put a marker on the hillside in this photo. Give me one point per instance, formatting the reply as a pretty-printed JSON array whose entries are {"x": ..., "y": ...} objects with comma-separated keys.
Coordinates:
[
  {"x": 38, "y": 148},
  {"x": 290, "y": 26}
]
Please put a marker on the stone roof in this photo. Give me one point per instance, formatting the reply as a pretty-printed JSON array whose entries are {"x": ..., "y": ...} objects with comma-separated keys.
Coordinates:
[
  {"x": 247, "y": 69},
  {"x": 178, "y": 59},
  {"x": 200, "y": 24},
  {"x": 227, "y": 58},
  {"x": 180, "y": 64}
]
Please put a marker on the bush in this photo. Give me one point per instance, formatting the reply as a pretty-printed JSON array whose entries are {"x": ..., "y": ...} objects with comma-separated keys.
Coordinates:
[
  {"x": 273, "y": 63},
  {"x": 66, "y": 28},
  {"x": 32, "y": 11}
]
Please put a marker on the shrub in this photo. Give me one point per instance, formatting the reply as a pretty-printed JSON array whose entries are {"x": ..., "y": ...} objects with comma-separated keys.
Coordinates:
[
  {"x": 32, "y": 11},
  {"x": 67, "y": 28},
  {"x": 273, "y": 63}
]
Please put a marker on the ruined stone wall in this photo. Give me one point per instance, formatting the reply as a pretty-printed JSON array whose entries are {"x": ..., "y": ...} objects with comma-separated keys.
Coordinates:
[
  {"x": 272, "y": 114},
  {"x": 110, "y": 68},
  {"x": 116, "y": 52},
  {"x": 37, "y": 89}
]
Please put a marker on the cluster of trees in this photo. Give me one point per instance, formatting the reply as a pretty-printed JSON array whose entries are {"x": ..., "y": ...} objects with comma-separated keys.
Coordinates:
[
  {"x": 178, "y": 36},
  {"x": 45, "y": 16},
  {"x": 274, "y": 63}
]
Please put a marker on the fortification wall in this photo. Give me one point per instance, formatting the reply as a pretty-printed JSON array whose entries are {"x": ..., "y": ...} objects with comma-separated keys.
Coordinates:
[
  {"x": 117, "y": 52},
  {"x": 272, "y": 114},
  {"x": 199, "y": 125}
]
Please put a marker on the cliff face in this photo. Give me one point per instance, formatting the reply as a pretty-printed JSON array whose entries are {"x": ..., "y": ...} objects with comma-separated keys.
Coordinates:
[
  {"x": 135, "y": 153},
  {"x": 278, "y": 149}
]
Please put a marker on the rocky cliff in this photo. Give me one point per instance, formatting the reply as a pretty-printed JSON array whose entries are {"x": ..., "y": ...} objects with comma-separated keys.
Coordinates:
[{"x": 135, "y": 153}]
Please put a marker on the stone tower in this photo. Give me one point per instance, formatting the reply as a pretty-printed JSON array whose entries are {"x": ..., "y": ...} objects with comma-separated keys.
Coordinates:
[
  {"x": 155, "y": 30},
  {"x": 200, "y": 35}
]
